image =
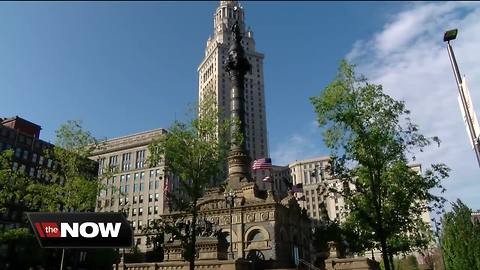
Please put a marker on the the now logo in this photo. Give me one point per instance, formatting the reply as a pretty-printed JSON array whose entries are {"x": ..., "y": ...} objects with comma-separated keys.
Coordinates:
[
  {"x": 87, "y": 229},
  {"x": 81, "y": 230}
]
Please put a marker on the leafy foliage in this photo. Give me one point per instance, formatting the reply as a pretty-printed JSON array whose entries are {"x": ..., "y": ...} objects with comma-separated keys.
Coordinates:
[
  {"x": 69, "y": 182},
  {"x": 461, "y": 239},
  {"x": 372, "y": 137},
  {"x": 326, "y": 232}
]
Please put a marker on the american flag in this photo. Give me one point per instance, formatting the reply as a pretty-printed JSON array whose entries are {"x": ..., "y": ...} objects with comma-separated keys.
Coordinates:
[
  {"x": 262, "y": 164},
  {"x": 267, "y": 179}
]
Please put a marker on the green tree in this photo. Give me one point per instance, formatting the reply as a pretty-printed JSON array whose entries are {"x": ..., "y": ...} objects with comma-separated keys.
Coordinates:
[
  {"x": 460, "y": 239},
  {"x": 371, "y": 137},
  {"x": 70, "y": 182},
  {"x": 14, "y": 187},
  {"x": 196, "y": 152},
  {"x": 155, "y": 232},
  {"x": 79, "y": 181}
]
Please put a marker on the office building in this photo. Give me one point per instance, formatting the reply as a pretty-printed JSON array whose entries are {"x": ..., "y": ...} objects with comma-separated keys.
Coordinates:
[{"x": 134, "y": 188}]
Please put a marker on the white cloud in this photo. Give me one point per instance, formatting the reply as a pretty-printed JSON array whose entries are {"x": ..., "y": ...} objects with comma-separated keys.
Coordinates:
[
  {"x": 295, "y": 147},
  {"x": 410, "y": 60},
  {"x": 305, "y": 143}
]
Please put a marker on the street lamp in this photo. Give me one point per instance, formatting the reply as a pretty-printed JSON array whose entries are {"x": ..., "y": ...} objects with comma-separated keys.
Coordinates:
[
  {"x": 124, "y": 212},
  {"x": 230, "y": 202},
  {"x": 447, "y": 37}
]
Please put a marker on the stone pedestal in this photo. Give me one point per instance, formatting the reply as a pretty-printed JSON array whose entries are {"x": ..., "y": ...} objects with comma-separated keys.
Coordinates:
[
  {"x": 208, "y": 248},
  {"x": 211, "y": 248},
  {"x": 173, "y": 251},
  {"x": 360, "y": 263},
  {"x": 239, "y": 264},
  {"x": 351, "y": 264}
]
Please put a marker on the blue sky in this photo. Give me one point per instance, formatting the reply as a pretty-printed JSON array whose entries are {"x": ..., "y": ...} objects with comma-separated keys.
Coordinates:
[{"x": 125, "y": 67}]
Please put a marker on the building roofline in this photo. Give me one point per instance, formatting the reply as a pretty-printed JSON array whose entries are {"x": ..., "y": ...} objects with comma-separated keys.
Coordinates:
[
  {"x": 163, "y": 131},
  {"x": 16, "y": 117},
  {"x": 127, "y": 141},
  {"x": 302, "y": 161}
]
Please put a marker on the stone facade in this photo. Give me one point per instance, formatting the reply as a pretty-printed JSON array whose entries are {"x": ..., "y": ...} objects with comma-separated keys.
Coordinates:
[
  {"x": 263, "y": 228},
  {"x": 135, "y": 188}
]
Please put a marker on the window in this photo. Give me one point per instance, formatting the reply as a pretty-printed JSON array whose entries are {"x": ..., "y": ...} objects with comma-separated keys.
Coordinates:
[
  {"x": 135, "y": 177},
  {"x": 122, "y": 178},
  {"x": 156, "y": 210},
  {"x": 140, "y": 224},
  {"x": 134, "y": 211},
  {"x": 141, "y": 186},
  {"x": 255, "y": 235},
  {"x": 142, "y": 176},
  {"x": 25, "y": 154},
  {"x": 150, "y": 197},
  {"x": 140, "y": 211},
  {"x": 18, "y": 152},
  {"x": 157, "y": 196},
  {"x": 150, "y": 185},
  {"x": 150, "y": 210},
  {"x": 126, "y": 188},
  {"x": 140, "y": 158},
  {"x": 135, "y": 199},
  {"x": 152, "y": 173},
  {"x": 126, "y": 158},
  {"x": 157, "y": 184},
  {"x": 112, "y": 161},
  {"x": 128, "y": 177},
  {"x": 140, "y": 199},
  {"x": 22, "y": 168}
]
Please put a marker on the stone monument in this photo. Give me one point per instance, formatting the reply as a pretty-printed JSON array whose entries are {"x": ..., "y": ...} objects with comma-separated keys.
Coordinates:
[{"x": 256, "y": 228}]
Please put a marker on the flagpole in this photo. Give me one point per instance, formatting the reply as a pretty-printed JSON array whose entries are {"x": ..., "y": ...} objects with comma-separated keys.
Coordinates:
[{"x": 271, "y": 183}]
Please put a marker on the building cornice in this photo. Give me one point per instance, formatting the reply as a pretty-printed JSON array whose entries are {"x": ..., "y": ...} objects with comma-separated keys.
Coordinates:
[{"x": 129, "y": 141}]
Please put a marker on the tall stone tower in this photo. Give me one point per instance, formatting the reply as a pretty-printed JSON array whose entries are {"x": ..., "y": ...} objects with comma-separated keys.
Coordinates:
[{"x": 213, "y": 77}]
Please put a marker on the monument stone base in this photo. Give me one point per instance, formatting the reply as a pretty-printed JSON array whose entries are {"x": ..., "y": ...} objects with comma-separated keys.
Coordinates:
[{"x": 239, "y": 264}]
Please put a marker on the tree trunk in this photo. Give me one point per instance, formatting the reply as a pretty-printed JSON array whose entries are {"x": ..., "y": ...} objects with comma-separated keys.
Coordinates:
[
  {"x": 385, "y": 257},
  {"x": 391, "y": 260},
  {"x": 193, "y": 236}
]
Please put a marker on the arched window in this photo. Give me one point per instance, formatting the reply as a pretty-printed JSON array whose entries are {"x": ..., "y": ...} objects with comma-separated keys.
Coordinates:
[{"x": 255, "y": 235}]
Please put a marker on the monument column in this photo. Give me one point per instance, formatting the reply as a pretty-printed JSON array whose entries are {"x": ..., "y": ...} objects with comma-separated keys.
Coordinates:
[{"x": 237, "y": 66}]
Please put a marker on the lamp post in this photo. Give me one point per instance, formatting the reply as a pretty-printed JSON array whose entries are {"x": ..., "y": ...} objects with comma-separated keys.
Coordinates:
[
  {"x": 230, "y": 202},
  {"x": 124, "y": 212},
  {"x": 447, "y": 37}
]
